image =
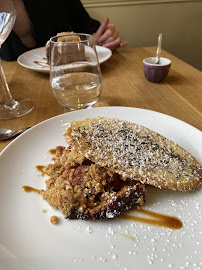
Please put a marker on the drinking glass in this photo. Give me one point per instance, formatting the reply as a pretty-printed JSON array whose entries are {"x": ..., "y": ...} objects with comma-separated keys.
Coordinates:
[
  {"x": 9, "y": 108},
  {"x": 75, "y": 76}
]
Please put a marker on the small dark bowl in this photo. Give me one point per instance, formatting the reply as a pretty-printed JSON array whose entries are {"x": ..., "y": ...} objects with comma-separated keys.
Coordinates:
[{"x": 156, "y": 73}]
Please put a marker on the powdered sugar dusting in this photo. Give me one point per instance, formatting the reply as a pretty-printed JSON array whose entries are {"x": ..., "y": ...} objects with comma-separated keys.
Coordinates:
[
  {"x": 135, "y": 152},
  {"x": 155, "y": 248}
]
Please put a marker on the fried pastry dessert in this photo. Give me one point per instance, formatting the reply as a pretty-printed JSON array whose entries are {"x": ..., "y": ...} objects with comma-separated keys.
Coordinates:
[
  {"x": 135, "y": 152},
  {"x": 104, "y": 169},
  {"x": 66, "y": 53}
]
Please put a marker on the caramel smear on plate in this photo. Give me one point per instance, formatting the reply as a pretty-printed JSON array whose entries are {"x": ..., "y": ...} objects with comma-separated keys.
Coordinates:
[
  {"x": 39, "y": 63},
  {"x": 129, "y": 237},
  {"x": 52, "y": 151},
  {"x": 29, "y": 189},
  {"x": 156, "y": 219}
]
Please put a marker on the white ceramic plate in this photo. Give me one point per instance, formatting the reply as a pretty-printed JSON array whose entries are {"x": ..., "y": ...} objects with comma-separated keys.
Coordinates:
[
  {"x": 29, "y": 241},
  {"x": 36, "y": 59}
]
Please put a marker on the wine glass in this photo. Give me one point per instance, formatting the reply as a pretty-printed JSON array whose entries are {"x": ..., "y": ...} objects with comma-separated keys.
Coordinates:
[
  {"x": 75, "y": 76},
  {"x": 9, "y": 108}
]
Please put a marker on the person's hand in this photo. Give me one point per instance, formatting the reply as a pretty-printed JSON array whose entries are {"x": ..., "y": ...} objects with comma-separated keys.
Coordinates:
[{"x": 108, "y": 36}]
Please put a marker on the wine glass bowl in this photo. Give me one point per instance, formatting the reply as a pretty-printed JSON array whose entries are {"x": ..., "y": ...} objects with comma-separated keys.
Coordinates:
[
  {"x": 75, "y": 75},
  {"x": 6, "y": 24},
  {"x": 9, "y": 107}
]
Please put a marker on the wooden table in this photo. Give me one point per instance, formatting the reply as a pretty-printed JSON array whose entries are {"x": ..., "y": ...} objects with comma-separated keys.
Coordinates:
[{"x": 124, "y": 84}]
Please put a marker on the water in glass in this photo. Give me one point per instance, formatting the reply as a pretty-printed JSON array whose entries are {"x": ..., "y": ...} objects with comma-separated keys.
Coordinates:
[{"x": 75, "y": 75}]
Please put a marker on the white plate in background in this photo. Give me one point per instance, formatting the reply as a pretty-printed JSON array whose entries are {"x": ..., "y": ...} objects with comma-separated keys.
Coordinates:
[
  {"x": 29, "y": 241},
  {"x": 36, "y": 59}
]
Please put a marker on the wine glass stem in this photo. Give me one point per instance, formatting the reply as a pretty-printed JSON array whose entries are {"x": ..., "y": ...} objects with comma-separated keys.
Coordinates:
[{"x": 10, "y": 103}]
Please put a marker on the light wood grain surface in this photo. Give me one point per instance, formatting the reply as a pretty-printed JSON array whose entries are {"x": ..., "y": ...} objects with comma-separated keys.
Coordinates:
[{"x": 124, "y": 84}]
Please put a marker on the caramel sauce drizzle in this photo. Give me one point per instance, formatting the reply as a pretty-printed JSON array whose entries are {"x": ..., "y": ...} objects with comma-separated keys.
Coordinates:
[
  {"x": 129, "y": 237},
  {"x": 29, "y": 189},
  {"x": 157, "y": 219},
  {"x": 40, "y": 168},
  {"x": 52, "y": 151},
  {"x": 42, "y": 64}
]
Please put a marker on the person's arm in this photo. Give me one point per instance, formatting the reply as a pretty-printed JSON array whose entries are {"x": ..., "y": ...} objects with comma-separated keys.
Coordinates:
[
  {"x": 12, "y": 48},
  {"x": 23, "y": 26},
  {"x": 79, "y": 18}
]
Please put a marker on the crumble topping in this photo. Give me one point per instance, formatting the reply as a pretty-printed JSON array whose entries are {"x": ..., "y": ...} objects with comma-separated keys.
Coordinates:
[
  {"x": 81, "y": 189},
  {"x": 54, "y": 219}
]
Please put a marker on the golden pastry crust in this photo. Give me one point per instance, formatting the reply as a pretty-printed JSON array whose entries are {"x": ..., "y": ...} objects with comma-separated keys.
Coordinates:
[{"x": 135, "y": 152}]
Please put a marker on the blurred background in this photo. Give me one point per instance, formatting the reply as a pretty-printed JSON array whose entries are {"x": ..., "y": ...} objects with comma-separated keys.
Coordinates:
[{"x": 141, "y": 21}]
